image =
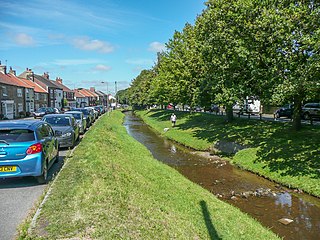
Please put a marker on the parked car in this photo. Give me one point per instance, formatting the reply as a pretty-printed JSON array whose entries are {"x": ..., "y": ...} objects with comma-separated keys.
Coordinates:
[
  {"x": 93, "y": 112},
  {"x": 56, "y": 110},
  {"x": 80, "y": 119},
  {"x": 39, "y": 113},
  {"x": 311, "y": 110},
  {"x": 65, "y": 128},
  {"x": 102, "y": 109},
  {"x": 87, "y": 115},
  {"x": 98, "y": 109},
  {"x": 65, "y": 109},
  {"x": 213, "y": 108},
  {"x": 284, "y": 111},
  {"x": 27, "y": 148}
]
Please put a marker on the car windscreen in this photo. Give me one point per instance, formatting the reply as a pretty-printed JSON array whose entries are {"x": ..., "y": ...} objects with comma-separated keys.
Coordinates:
[
  {"x": 16, "y": 135},
  {"x": 58, "y": 120},
  {"x": 85, "y": 111},
  {"x": 76, "y": 115},
  {"x": 41, "y": 110}
]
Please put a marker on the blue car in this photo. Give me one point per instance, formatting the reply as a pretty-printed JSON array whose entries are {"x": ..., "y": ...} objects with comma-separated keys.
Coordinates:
[{"x": 27, "y": 148}]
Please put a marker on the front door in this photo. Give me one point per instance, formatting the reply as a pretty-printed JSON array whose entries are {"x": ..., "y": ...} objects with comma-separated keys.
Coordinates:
[{"x": 8, "y": 109}]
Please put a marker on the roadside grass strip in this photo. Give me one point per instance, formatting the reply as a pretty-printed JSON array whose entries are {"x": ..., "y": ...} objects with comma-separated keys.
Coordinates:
[
  {"x": 112, "y": 188},
  {"x": 273, "y": 149}
]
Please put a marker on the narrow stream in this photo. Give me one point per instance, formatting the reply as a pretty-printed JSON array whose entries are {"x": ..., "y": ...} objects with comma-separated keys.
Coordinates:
[{"x": 264, "y": 200}]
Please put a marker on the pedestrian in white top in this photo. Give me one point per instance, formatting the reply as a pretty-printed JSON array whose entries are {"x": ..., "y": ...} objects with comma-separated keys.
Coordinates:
[{"x": 173, "y": 119}]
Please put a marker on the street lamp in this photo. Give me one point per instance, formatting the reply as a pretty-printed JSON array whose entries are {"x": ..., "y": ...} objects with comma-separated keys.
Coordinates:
[{"x": 107, "y": 102}]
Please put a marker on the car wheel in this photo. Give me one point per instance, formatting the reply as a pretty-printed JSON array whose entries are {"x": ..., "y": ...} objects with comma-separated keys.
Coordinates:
[
  {"x": 44, "y": 176},
  {"x": 306, "y": 116},
  {"x": 277, "y": 115}
]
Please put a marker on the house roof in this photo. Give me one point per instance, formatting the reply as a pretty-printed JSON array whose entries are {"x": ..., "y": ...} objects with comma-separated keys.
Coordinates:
[
  {"x": 11, "y": 79},
  {"x": 20, "y": 83},
  {"x": 87, "y": 93},
  {"x": 100, "y": 93},
  {"x": 41, "y": 80},
  {"x": 64, "y": 88},
  {"x": 36, "y": 87},
  {"x": 93, "y": 94},
  {"x": 6, "y": 79},
  {"x": 78, "y": 94}
]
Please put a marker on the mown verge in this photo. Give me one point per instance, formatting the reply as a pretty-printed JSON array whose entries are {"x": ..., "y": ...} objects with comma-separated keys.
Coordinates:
[
  {"x": 112, "y": 188},
  {"x": 273, "y": 149}
]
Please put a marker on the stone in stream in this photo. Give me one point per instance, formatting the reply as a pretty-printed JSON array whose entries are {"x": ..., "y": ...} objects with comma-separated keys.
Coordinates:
[{"x": 285, "y": 221}]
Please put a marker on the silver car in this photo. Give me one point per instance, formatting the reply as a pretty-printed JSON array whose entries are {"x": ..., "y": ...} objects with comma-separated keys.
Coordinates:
[
  {"x": 80, "y": 119},
  {"x": 65, "y": 128}
]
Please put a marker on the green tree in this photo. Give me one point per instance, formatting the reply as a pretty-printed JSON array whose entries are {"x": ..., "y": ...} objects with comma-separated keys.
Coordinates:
[{"x": 298, "y": 48}]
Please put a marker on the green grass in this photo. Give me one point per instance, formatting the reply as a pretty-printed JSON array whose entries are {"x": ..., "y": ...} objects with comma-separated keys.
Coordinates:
[
  {"x": 112, "y": 188},
  {"x": 274, "y": 150}
]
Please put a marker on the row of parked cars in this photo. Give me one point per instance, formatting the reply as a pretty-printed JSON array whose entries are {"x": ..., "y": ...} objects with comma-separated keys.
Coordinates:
[
  {"x": 30, "y": 147},
  {"x": 308, "y": 111}
]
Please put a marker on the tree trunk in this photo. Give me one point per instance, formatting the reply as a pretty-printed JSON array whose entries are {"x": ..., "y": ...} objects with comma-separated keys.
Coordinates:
[
  {"x": 297, "y": 113},
  {"x": 229, "y": 113}
]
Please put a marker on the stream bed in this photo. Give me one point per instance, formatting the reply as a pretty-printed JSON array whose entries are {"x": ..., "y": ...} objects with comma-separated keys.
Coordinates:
[{"x": 288, "y": 213}]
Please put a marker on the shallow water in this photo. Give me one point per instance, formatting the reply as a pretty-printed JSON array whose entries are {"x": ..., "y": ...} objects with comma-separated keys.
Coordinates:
[{"x": 264, "y": 200}]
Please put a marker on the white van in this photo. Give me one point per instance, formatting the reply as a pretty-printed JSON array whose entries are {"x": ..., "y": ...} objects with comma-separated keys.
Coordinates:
[{"x": 250, "y": 105}]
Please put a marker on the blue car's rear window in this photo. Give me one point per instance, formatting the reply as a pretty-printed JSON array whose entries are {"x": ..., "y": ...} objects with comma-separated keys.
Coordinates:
[{"x": 16, "y": 135}]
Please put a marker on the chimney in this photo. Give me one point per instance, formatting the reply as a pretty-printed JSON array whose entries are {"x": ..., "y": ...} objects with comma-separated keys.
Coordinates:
[
  {"x": 3, "y": 68},
  {"x": 92, "y": 89},
  {"x": 12, "y": 72},
  {"x": 59, "y": 80},
  {"x": 29, "y": 74},
  {"x": 46, "y": 75}
]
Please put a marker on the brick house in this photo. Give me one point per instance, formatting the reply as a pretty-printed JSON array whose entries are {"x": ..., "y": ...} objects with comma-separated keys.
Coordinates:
[
  {"x": 81, "y": 100},
  {"x": 92, "y": 96},
  {"x": 68, "y": 94},
  {"x": 28, "y": 94},
  {"x": 40, "y": 94},
  {"x": 14, "y": 95},
  {"x": 55, "y": 93}
]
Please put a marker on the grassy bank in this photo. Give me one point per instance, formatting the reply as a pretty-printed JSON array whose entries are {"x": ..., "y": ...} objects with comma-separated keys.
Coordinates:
[
  {"x": 112, "y": 188},
  {"x": 274, "y": 150}
]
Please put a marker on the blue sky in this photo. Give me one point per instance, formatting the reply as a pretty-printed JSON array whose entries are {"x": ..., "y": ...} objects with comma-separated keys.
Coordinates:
[{"x": 89, "y": 42}]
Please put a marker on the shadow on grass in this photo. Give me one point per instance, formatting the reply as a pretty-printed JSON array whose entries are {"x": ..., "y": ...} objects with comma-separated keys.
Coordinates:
[
  {"x": 207, "y": 218},
  {"x": 280, "y": 149}
]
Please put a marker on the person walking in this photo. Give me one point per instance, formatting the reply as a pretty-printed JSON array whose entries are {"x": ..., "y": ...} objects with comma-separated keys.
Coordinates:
[{"x": 173, "y": 119}]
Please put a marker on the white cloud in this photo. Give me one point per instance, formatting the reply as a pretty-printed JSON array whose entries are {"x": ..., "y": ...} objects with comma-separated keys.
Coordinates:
[
  {"x": 157, "y": 47},
  {"x": 102, "y": 68},
  {"x": 24, "y": 39},
  {"x": 84, "y": 43}
]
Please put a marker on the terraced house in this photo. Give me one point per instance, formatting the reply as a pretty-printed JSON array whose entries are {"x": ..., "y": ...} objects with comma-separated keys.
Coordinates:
[
  {"x": 55, "y": 92},
  {"x": 68, "y": 94},
  {"x": 14, "y": 94},
  {"x": 23, "y": 94}
]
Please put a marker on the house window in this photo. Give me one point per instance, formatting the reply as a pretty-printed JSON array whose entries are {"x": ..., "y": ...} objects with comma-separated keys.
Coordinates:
[
  {"x": 27, "y": 93},
  {"x": 36, "y": 96},
  {"x": 20, "y": 107},
  {"x": 59, "y": 94},
  {"x": 19, "y": 92},
  {"x": 45, "y": 97},
  {"x": 4, "y": 91}
]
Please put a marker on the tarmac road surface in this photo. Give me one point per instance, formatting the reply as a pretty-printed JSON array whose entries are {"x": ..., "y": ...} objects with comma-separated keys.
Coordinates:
[{"x": 17, "y": 198}]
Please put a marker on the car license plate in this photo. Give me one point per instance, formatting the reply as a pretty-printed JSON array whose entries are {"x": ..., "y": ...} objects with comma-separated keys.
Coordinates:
[{"x": 8, "y": 168}]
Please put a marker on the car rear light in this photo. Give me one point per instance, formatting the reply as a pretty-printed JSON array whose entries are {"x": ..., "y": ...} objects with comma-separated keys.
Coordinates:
[{"x": 35, "y": 148}]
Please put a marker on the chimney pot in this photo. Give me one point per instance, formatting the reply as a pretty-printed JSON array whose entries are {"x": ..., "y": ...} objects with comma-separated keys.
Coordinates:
[
  {"x": 12, "y": 72},
  {"x": 3, "y": 69}
]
